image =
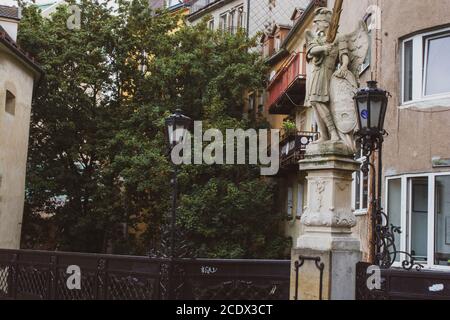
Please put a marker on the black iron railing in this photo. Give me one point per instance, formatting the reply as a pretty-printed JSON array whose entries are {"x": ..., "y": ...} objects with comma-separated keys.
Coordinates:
[
  {"x": 374, "y": 283},
  {"x": 320, "y": 266},
  {"x": 293, "y": 147},
  {"x": 42, "y": 275}
]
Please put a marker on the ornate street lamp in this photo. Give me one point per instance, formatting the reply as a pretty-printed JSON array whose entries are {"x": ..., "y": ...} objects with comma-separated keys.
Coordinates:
[
  {"x": 177, "y": 126},
  {"x": 371, "y": 105}
]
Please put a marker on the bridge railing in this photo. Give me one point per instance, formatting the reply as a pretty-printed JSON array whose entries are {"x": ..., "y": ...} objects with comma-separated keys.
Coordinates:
[{"x": 42, "y": 275}]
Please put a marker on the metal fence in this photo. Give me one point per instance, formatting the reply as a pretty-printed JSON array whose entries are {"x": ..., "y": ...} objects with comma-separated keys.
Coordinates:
[
  {"x": 399, "y": 284},
  {"x": 43, "y": 275}
]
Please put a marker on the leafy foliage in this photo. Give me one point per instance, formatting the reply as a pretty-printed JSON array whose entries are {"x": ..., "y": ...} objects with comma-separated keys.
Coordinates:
[{"x": 98, "y": 170}]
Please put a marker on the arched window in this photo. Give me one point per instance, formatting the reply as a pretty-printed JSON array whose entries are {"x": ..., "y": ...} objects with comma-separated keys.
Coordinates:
[{"x": 10, "y": 103}]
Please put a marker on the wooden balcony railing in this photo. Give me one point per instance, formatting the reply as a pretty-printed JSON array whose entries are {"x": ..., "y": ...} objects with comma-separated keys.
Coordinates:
[{"x": 286, "y": 78}]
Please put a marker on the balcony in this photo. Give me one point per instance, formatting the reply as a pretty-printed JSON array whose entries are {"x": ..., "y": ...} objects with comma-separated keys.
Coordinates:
[
  {"x": 288, "y": 88},
  {"x": 293, "y": 148}
]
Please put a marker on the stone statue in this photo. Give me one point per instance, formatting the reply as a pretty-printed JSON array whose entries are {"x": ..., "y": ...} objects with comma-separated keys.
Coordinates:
[{"x": 332, "y": 78}]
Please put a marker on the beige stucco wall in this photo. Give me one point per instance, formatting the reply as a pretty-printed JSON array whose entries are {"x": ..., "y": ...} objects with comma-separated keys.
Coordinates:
[
  {"x": 14, "y": 131},
  {"x": 417, "y": 133}
]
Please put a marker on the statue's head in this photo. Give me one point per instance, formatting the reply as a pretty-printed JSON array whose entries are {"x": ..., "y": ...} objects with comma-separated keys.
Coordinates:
[{"x": 322, "y": 19}]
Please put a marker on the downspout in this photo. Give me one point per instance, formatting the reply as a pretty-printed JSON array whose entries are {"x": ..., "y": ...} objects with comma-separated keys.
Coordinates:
[{"x": 248, "y": 18}]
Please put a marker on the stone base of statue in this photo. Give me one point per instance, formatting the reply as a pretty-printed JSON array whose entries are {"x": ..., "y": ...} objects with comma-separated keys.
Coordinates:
[{"x": 328, "y": 220}]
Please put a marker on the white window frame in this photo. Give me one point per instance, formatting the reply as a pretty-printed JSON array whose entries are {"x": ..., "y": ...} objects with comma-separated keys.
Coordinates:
[
  {"x": 300, "y": 193},
  {"x": 290, "y": 202},
  {"x": 366, "y": 64},
  {"x": 240, "y": 17},
  {"x": 252, "y": 97},
  {"x": 231, "y": 17},
  {"x": 420, "y": 52},
  {"x": 360, "y": 211},
  {"x": 223, "y": 21},
  {"x": 172, "y": 3},
  {"x": 211, "y": 25},
  {"x": 277, "y": 42},
  {"x": 406, "y": 223}
]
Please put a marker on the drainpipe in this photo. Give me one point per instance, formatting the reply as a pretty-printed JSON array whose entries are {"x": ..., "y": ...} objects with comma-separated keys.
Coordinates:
[{"x": 248, "y": 18}]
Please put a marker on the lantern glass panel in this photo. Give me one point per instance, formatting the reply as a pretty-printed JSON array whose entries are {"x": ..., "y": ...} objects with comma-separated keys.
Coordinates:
[
  {"x": 170, "y": 134},
  {"x": 375, "y": 113},
  {"x": 383, "y": 114},
  {"x": 363, "y": 112},
  {"x": 180, "y": 134}
]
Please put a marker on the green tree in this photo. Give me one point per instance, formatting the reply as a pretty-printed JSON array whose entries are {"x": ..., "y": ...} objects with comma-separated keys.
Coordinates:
[{"x": 97, "y": 157}]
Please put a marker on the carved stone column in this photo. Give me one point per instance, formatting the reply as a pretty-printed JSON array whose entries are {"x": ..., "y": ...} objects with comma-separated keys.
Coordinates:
[{"x": 328, "y": 220}]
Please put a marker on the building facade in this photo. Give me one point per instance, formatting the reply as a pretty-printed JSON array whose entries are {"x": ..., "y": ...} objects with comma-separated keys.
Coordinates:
[
  {"x": 252, "y": 15},
  {"x": 18, "y": 76},
  {"x": 283, "y": 50},
  {"x": 414, "y": 66},
  {"x": 49, "y": 7},
  {"x": 410, "y": 60}
]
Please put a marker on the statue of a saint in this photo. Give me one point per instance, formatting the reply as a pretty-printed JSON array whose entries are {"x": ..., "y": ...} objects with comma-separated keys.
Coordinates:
[{"x": 332, "y": 78}]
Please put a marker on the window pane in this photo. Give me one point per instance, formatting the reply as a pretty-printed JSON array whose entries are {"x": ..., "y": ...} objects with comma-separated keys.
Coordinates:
[
  {"x": 438, "y": 66},
  {"x": 290, "y": 202},
  {"x": 394, "y": 207},
  {"x": 240, "y": 19},
  {"x": 408, "y": 71},
  {"x": 442, "y": 221},
  {"x": 299, "y": 200},
  {"x": 251, "y": 102},
  {"x": 357, "y": 191},
  {"x": 365, "y": 191},
  {"x": 419, "y": 218},
  {"x": 375, "y": 112},
  {"x": 368, "y": 58}
]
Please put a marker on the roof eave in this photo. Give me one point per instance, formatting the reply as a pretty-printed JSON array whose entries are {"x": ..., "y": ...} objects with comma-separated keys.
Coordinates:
[
  {"x": 280, "y": 54},
  {"x": 205, "y": 10},
  {"x": 24, "y": 58}
]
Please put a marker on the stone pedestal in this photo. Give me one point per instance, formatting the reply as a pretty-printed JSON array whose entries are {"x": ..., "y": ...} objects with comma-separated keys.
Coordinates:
[{"x": 328, "y": 220}]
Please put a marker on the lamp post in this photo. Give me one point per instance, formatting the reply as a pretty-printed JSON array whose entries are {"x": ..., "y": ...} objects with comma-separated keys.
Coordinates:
[
  {"x": 177, "y": 125},
  {"x": 371, "y": 105}
]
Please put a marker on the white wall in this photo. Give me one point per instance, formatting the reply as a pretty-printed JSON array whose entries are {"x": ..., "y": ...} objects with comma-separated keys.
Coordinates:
[
  {"x": 10, "y": 27},
  {"x": 14, "y": 131}
]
